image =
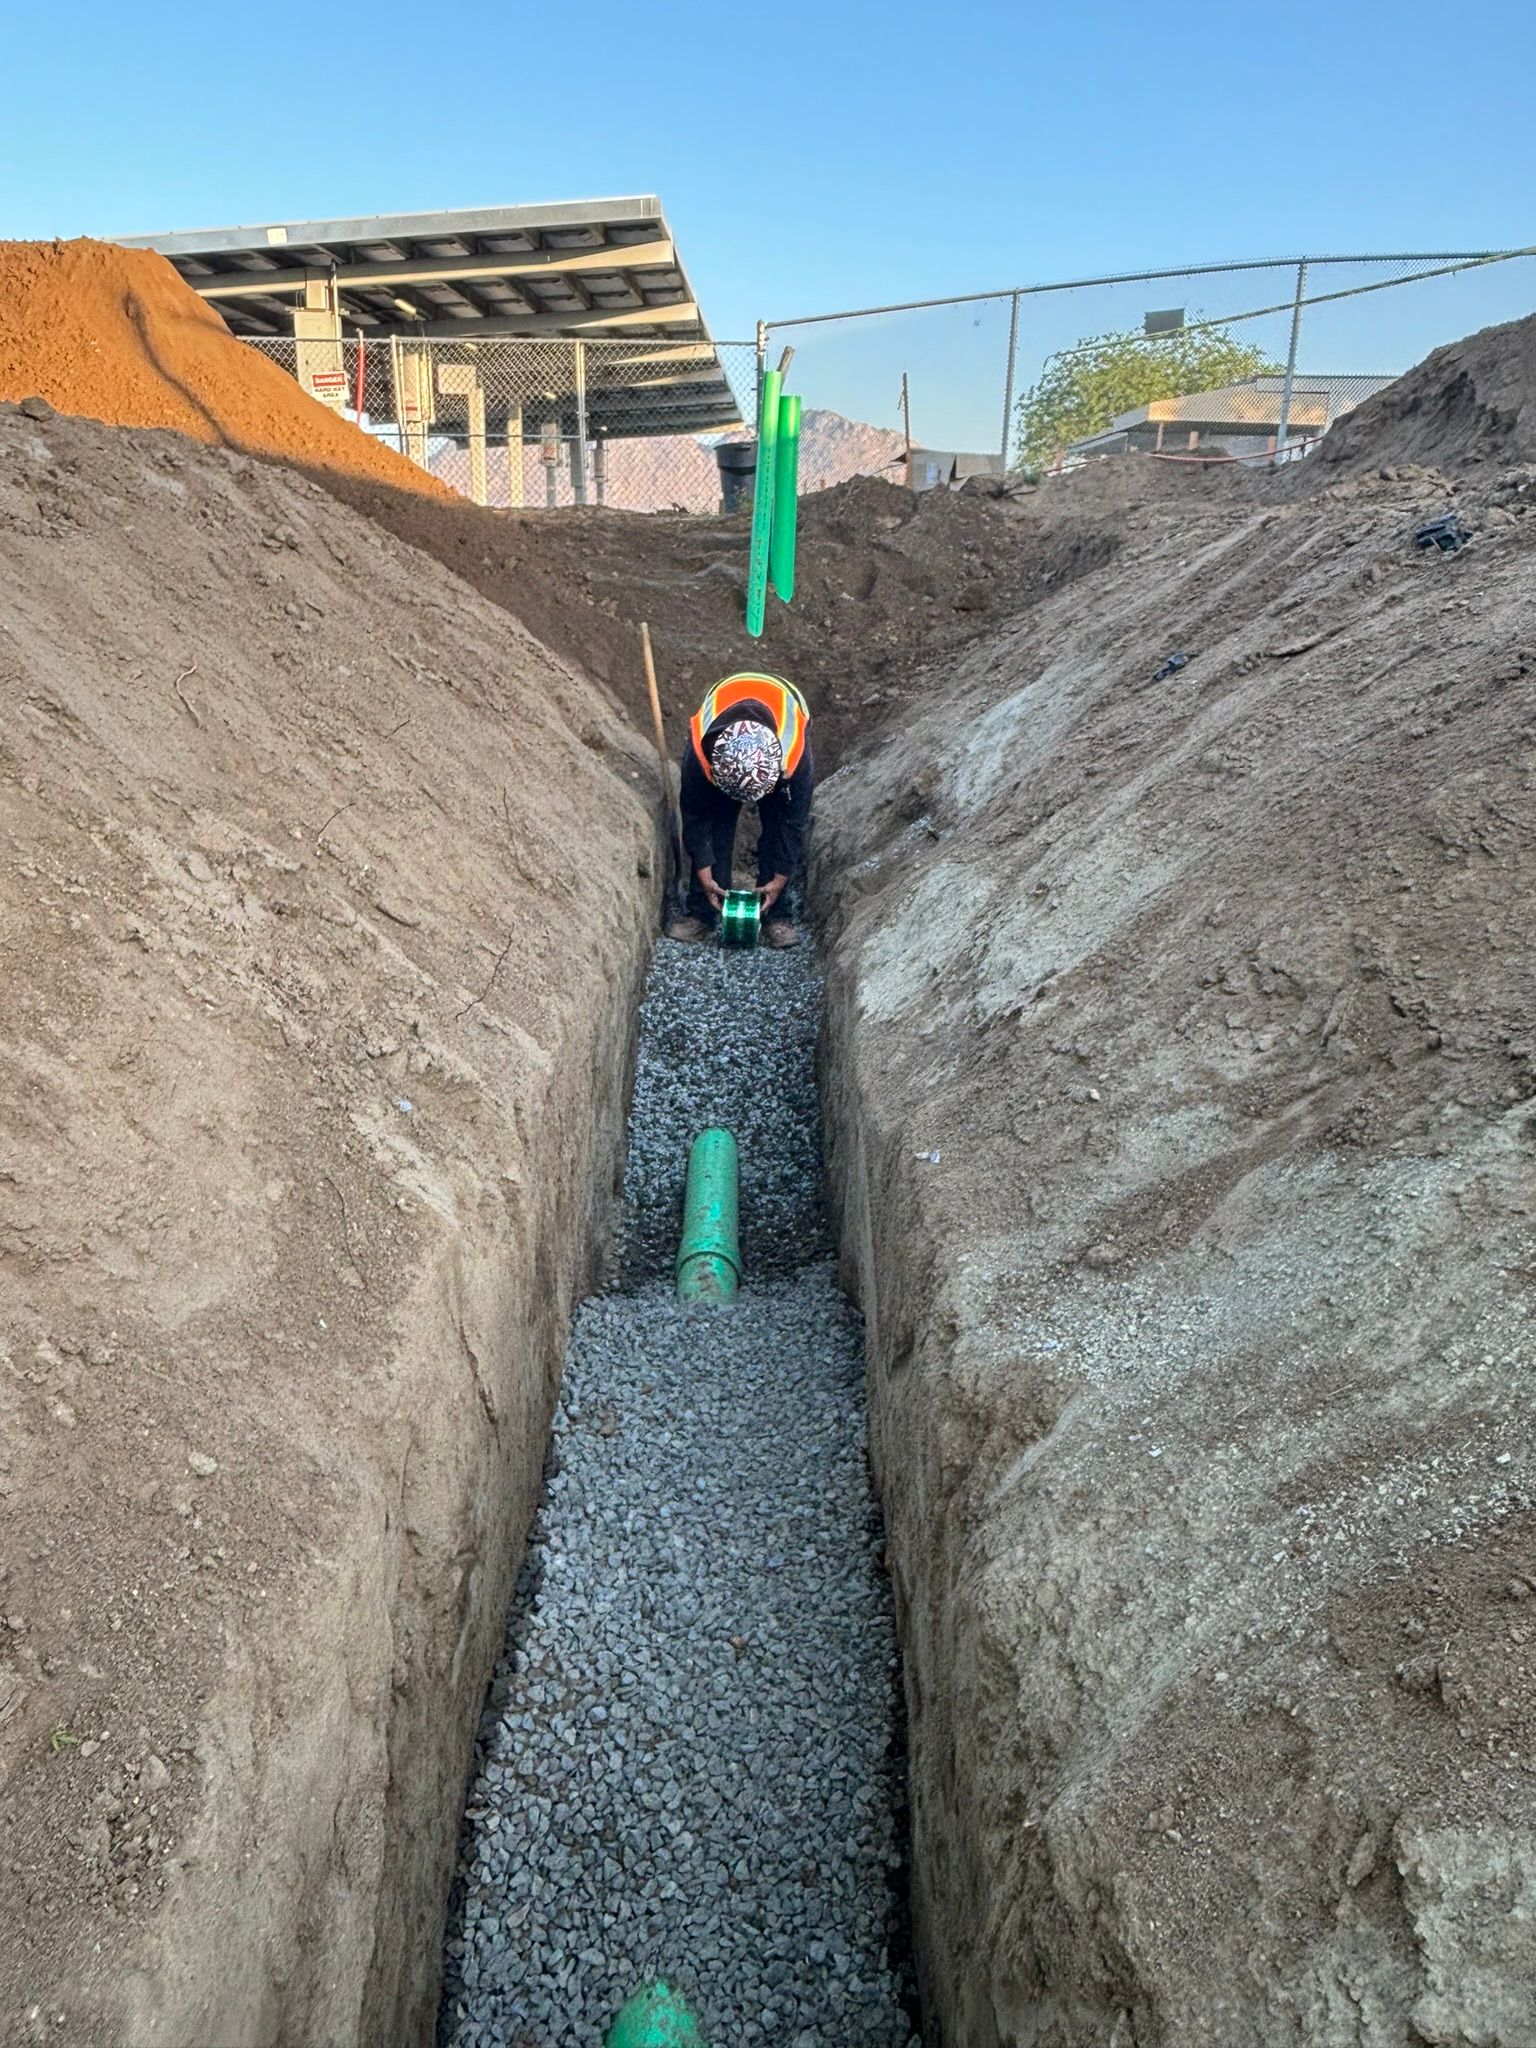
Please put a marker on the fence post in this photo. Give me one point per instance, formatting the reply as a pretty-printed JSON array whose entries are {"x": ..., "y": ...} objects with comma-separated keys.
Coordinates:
[
  {"x": 1290, "y": 361},
  {"x": 579, "y": 445},
  {"x": 762, "y": 364},
  {"x": 515, "y": 453},
  {"x": 1013, "y": 357},
  {"x": 476, "y": 410}
]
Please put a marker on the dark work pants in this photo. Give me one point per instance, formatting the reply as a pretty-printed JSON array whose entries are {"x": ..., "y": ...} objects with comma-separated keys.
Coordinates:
[{"x": 723, "y": 842}]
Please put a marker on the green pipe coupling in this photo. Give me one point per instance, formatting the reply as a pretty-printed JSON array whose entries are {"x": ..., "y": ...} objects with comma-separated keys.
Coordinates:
[
  {"x": 740, "y": 916},
  {"x": 709, "y": 1256}
]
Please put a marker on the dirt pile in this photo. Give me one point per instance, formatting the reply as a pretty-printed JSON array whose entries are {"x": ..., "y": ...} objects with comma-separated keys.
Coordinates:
[
  {"x": 1181, "y": 1083},
  {"x": 318, "y": 988},
  {"x": 1470, "y": 402},
  {"x": 883, "y": 579},
  {"x": 115, "y": 335}
]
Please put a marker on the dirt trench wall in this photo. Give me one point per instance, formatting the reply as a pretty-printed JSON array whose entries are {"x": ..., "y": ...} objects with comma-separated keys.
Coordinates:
[
  {"x": 1179, "y": 1081},
  {"x": 324, "y": 896}
]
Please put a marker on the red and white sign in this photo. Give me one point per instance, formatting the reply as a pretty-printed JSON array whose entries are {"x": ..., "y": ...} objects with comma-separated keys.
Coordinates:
[{"x": 329, "y": 386}]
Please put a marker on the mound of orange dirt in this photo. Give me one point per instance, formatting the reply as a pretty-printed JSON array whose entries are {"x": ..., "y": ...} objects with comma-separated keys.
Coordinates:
[{"x": 114, "y": 334}]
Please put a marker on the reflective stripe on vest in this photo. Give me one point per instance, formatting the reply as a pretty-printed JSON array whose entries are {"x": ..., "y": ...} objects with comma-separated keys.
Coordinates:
[{"x": 783, "y": 700}]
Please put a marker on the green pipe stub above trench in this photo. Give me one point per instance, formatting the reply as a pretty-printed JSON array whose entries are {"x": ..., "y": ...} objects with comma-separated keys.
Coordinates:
[
  {"x": 709, "y": 1255},
  {"x": 762, "y": 501},
  {"x": 786, "y": 503}
]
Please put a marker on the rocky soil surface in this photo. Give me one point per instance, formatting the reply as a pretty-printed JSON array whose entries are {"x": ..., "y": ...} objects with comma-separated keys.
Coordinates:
[
  {"x": 312, "y": 1093},
  {"x": 1181, "y": 1086}
]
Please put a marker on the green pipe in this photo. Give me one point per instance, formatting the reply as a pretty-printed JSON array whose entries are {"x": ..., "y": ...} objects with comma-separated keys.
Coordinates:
[
  {"x": 762, "y": 502},
  {"x": 786, "y": 499},
  {"x": 740, "y": 915},
  {"x": 655, "y": 2018},
  {"x": 709, "y": 1258}
]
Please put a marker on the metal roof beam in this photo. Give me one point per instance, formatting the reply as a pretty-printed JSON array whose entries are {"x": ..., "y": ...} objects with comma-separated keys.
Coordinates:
[
  {"x": 559, "y": 326},
  {"x": 656, "y": 255},
  {"x": 487, "y": 220}
]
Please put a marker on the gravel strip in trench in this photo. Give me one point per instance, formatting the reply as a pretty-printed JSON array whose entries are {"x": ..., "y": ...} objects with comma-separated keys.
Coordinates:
[
  {"x": 727, "y": 1038},
  {"x": 684, "y": 1769}
]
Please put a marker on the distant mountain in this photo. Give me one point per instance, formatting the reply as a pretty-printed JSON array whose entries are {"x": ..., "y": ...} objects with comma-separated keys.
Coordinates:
[{"x": 676, "y": 472}]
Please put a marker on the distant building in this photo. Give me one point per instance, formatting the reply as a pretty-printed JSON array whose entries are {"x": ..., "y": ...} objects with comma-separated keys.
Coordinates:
[{"x": 1236, "y": 419}]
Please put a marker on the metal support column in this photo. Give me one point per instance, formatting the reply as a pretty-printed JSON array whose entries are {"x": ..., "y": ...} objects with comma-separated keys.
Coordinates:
[
  {"x": 579, "y": 444},
  {"x": 477, "y": 442},
  {"x": 319, "y": 363},
  {"x": 600, "y": 471},
  {"x": 1013, "y": 358},
  {"x": 411, "y": 378},
  {"x": 1290, "y": 361},
  {"x": 463, "y": 380},
  {"x": 515, "y": 455}
]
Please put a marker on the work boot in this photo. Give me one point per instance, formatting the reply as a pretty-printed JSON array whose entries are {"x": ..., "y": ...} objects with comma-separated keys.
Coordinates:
[
  {"x": 687, "y": 930},
  {"x": 779, "y": 932}
]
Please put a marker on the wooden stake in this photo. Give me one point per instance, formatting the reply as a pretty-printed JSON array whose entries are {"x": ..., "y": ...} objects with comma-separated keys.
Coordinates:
[{"x": 663, "y": 758}]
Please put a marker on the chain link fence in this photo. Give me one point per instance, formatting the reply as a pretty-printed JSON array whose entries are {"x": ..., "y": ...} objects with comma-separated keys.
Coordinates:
[
  {"x": 1263, "y": 358},
  {"x": 519, "y": 424},
  {"x": 1248, "y": 362}
]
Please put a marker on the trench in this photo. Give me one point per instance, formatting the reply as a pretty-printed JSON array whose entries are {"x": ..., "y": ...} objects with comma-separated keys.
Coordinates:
[{"x": 690, "y": 1765}]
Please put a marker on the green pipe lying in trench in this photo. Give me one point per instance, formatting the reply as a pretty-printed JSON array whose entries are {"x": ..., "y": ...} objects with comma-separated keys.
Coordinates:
[
  {"x": 655, "y": 2018},
  {"x": 709, "y": 1258}
]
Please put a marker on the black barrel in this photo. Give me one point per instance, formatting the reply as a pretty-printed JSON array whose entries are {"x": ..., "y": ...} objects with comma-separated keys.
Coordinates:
[{"x": 738, "y": 473}]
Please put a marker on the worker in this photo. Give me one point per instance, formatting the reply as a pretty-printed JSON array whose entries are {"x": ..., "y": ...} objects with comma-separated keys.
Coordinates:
[{"x": 748, "y": 743}]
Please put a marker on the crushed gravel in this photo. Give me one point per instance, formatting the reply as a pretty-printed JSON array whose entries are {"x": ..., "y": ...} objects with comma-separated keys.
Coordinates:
[
  {"x": 727, "y": 1038},
  {"x": 686, "y": 1765}
]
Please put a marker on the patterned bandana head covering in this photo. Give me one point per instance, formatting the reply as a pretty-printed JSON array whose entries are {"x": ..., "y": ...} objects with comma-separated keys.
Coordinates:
[{"x": 746, "y": 761}]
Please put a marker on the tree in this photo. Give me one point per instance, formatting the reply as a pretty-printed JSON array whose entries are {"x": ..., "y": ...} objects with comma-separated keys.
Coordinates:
[{"x": 1083, "y": 388}]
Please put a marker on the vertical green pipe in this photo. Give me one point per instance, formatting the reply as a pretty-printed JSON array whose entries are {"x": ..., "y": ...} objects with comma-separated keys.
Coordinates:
[
  {"x": 786, "y": 499},
  {"x": 709, "y": 1258},
  {"x": 762, "y": 501}
]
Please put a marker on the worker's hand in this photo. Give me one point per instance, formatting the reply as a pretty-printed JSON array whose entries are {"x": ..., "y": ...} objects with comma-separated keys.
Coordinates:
[
  {"x": 711, "y": 887},
  {"x": 770, "y": 892}
]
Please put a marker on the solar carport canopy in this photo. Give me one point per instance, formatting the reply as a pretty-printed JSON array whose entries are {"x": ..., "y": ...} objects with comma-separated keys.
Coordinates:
[{"x": 602, "y": 270}]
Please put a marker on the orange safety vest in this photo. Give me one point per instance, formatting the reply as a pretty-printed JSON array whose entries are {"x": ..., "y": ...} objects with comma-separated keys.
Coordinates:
[{"x": 791, "y": 715}]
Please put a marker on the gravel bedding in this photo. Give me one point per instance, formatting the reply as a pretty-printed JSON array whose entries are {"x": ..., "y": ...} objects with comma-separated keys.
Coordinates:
[
  {"x": 727, "y": 1038},
  {"x": 685, "y": 1766}
]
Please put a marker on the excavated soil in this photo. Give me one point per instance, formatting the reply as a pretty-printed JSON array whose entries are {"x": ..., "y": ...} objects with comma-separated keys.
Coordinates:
[
  {"x": 1180, "y": 1083},
  {"x": 883, "y": 580},
  {"x": 324, "y": 899},
  {"x": 115, "y": 335},
  {"x": 1471, "y": 402}
]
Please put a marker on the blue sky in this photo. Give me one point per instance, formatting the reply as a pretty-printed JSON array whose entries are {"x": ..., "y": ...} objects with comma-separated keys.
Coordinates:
[{"x": 816, "y": 156}]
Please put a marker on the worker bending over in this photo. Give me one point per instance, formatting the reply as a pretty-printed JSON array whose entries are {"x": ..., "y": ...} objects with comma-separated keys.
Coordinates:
[{"x": 748, "y": 743}]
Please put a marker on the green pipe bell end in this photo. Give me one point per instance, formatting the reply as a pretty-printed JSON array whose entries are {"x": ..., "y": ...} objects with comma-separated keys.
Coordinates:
[
  {"x": 657, "y": 2017},
  {"x": 740, "y": 916}
]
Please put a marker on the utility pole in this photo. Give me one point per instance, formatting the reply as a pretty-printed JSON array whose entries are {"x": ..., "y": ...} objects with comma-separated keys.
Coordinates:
[{"x": 906, "y": 424}]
